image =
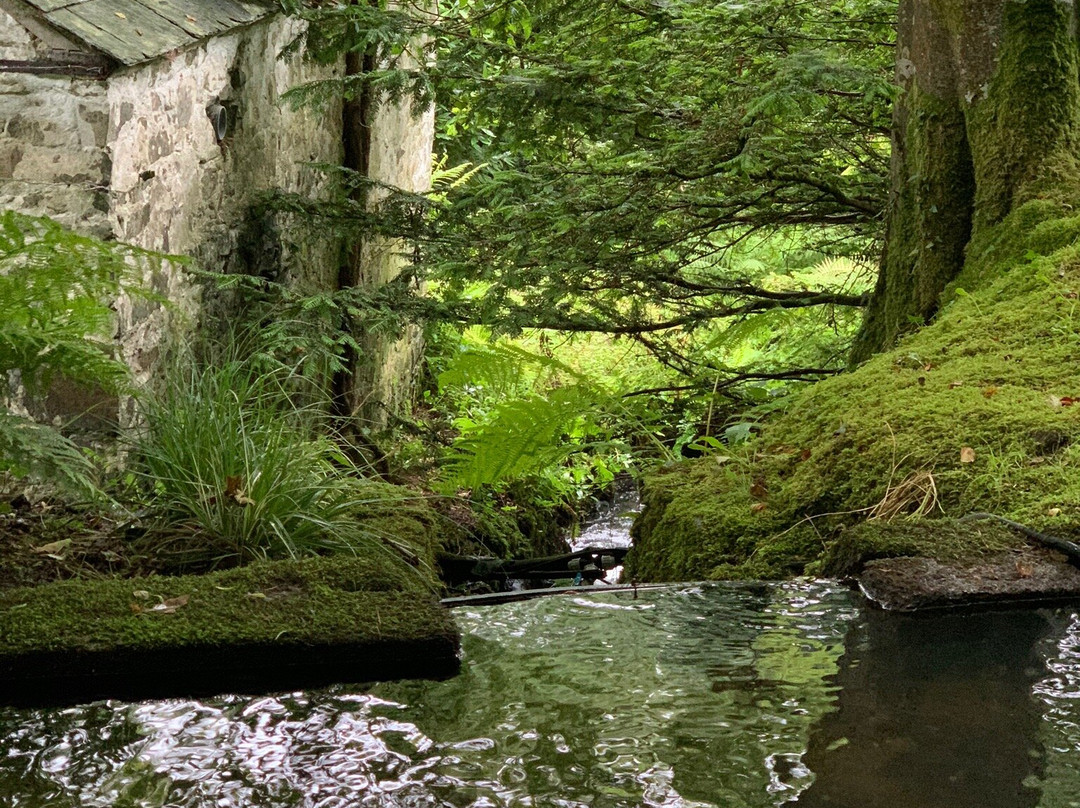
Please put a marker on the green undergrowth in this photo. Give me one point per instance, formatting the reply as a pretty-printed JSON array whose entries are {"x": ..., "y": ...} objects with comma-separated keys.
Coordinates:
[
  {"x": 972, "y": 413},
  {"x": 309, "y": 602}
]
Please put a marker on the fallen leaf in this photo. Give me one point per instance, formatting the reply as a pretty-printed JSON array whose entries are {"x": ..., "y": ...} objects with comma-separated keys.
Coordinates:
[
  {"x": 190, "y": 18},
  {"x": 758, "y": 507},
  {"x": 171, "y": 605},
  {"x": 234, "y": 488},
  {"x": 1023, "y": 569},
  {"x": 141, "y": 594},
  {"x": 721, "y": 459},
  {"x": 759, "y": 490},
  {"x": 967, "y": 455},
  {"x": 955, "y": 384},
  {"x": 1067, "y": 401},
  {"x": 120, "y": 14},
  {"x": 805, "y": 454},
  {"x": 1054, "y": 512},
  {"x": 990, "y": 391},
  {"x": 53, "y": 547}
]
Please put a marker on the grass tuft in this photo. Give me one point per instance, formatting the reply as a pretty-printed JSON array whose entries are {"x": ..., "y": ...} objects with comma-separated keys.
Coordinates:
[{"x": 240, "y": 475}]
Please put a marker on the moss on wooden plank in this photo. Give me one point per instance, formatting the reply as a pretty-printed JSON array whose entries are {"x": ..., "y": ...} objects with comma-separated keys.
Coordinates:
[{"x": 276, "y": 625}]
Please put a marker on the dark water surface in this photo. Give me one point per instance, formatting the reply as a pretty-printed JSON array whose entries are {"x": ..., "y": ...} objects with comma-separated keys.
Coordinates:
[{"x": 725, "y": 695}]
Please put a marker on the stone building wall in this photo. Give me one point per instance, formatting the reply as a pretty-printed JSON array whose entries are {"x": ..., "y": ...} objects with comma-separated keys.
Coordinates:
[
  {"x": 53, "y": 130},
  {"x": 132, "y": 155},
  {"x": 399, "y": 154},
  {"x": 175, "y": 188}
]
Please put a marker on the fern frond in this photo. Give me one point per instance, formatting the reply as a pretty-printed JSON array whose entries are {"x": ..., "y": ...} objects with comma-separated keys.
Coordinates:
[
  {"x": 34, "y": 450},
  {"x": 524, "y": 436},
  {"x": 542, "y": 411}
]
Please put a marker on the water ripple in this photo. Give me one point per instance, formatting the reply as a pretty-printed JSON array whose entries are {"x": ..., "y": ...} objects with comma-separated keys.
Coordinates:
[{"x": 682, "y": 698}]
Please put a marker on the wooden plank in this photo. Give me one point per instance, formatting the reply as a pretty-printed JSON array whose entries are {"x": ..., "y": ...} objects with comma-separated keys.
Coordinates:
[
  {"x": 53, "y": 5},
  {"x": 43, "y": 67},
  {"x": 140, "y": 29},
  {"x": 251, "y": 10},
  {"x": 200, "y": 18},
  {"x": 492, "y": 598},
  {"x": 96, "y": 37}
]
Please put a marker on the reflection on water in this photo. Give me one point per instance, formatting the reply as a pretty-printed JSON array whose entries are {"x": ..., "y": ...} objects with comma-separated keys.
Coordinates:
[
  {"x": 935, "y": 711},
  {"x": 678, "y": 698},
  {"x": 727, "y": 695},
  {"x": 1059, "y": 695}
]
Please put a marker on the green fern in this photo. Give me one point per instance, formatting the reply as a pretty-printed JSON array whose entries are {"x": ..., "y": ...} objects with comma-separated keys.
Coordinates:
[
  {"x": 444, "y": 180},
  {"x": 55, "y": 291},
  {"x": 55, "y": 320},
  {"x": 537, "y": 413},
  {"x": 525, "y": 436},
  {"x": 28, "y": 449}
]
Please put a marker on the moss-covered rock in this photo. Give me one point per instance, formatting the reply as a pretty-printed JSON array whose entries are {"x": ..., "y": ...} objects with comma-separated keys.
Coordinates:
[
  {"x": 972, "y": 413},
  {"x": 274, "y": 625}
]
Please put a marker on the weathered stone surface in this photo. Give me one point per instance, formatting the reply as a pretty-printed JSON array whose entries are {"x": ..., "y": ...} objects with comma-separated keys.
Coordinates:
[
  {"x": 914, "y": 583},
  {"x": 134, "y": 156},
  {"x": 53, "y": 157},
  {"x": 175, "y": 188},
  {"x": 399, "y": 155},
  {"x": 30, "y": 40}
]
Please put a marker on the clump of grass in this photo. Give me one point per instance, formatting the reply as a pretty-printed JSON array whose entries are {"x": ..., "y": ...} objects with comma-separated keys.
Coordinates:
[
  {"x": 238, "y": 474},
  {"x": 916, "y": 495}
]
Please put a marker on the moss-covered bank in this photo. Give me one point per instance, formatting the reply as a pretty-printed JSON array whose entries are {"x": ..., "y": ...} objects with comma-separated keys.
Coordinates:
[
  {"x": 272, "y": 625},
  {"x": 973, "y": 413}
]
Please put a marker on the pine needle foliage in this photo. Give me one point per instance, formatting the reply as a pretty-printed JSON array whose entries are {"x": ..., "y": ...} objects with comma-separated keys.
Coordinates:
[{"x": 626, "y": 148}]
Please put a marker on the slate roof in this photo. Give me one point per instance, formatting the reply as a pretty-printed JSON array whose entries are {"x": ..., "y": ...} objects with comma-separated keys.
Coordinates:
[{"x": 133, "y": 31}]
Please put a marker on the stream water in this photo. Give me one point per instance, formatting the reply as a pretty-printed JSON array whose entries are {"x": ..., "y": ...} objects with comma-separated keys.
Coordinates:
[{"x": 720, "y": 695}]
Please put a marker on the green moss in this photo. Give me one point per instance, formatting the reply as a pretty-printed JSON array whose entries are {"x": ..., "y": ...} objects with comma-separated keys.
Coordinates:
[
  {"x": 405, "y": 518},
  {"x": 929, "y": 221},
  {"x": 963, "y": 166},
  {"x": 942, "y": 539},
  {"x": 313, "y": 602},
  {"x": 990, "y": 374},
  {"x": 1023, "y": 131}
]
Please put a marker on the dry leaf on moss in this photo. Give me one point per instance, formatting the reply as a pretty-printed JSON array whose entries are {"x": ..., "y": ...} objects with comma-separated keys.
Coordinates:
[
  {"x": 967, "y": 455},
  {"x": 171, "y": 605},
  {"x": 53, "y": 547}
]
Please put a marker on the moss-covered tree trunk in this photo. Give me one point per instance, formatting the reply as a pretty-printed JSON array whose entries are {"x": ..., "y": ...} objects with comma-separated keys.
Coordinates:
[{"x": 987, "y": 119}]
